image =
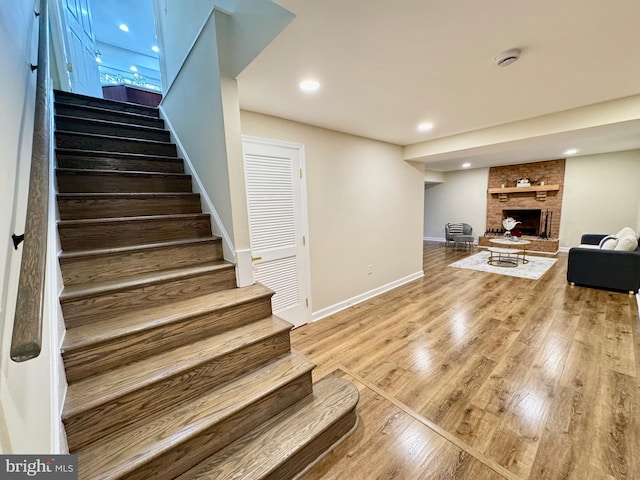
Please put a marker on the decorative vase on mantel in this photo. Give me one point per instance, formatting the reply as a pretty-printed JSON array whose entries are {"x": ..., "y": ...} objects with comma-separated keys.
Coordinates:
[{"x": 509, "y": 224}]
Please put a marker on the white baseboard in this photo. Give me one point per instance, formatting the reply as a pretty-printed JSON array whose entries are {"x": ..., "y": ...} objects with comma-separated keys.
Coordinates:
[
  {"x": 207, "y": 207},
  {"x": 564, "y": 249},
  {"x": 325, "y": 312},
  {"x": 434, "y": 239}
]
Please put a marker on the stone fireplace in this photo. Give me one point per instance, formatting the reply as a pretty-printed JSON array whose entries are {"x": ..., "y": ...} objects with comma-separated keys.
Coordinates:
[{"x": 538, "y": 206}]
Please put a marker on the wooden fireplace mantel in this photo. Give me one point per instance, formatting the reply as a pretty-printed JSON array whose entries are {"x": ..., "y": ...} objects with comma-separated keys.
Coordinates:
[{"x": 540, "y": 191}]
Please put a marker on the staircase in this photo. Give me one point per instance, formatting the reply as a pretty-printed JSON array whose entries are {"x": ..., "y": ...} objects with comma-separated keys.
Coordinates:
[{"x": 173, "y": 371}]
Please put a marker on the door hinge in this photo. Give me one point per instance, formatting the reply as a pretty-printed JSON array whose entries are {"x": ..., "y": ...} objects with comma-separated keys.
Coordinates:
[
  {"x": 304, "y": 241},
  {"x": 300, "y": 173},
  {"x": 306, "y": 301},
  {"x": 69, "y": 67}
]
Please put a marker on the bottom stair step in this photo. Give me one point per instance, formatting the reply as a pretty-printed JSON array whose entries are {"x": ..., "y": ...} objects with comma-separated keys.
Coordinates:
[
  {"x": 288, "y": 443},
  {"x": 171, "y": 444}
]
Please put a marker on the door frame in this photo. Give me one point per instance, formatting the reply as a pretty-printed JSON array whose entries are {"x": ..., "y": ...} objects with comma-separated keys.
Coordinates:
[
  {"x": 304, "y": 209},
  {"x": 58, "y": 46}
]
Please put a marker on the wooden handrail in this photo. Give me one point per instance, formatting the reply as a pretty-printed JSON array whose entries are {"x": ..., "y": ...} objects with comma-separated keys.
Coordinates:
[{"x": 26, "y": 341}]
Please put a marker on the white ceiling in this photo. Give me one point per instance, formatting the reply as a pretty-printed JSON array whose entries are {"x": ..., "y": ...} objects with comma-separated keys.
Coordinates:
[{"x": 386, "y": 66}]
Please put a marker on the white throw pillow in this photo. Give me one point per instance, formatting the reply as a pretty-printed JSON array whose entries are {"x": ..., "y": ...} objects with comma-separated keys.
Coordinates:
[
  {"x": 608, "y": 243},
  {"x": 624, "y": 231},
  {"x": 628, "y": 243}
]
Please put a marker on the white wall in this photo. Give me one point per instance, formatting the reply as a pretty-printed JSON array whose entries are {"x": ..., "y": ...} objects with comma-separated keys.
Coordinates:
[
  {"x": 27, "y": 400},
  {"x": 17, "y": 88},
  {"x": 193, "y": 106},
  {"x": 601, "y": 195},
  {"x": 365, "y": 208},
  {"x": 176, "y": 28},
  {"x": 461, "y": 197}
]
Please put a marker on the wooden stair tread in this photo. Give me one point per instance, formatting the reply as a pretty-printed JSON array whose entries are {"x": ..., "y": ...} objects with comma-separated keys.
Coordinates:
[
  {"x": 98, "y": 111},
  {"x": 121, "y": 195},
  {"x": 67, "y": 99},
  {"x": 102, "y": 137},
  {"x": 109, "y": 123},
  {"x": 140, "y": 320},
  {"x": 260, "y": 452},
  {"x": 98, "y": 252},
  {"x": 112, "y": 220},
  {"x": 122, "y": 452},
  {"x": 123, "y": 155},
  {"x": 120, "y": 173},
  {"x": 98, "y": 389},
  {"x": 81, "y": 291}
]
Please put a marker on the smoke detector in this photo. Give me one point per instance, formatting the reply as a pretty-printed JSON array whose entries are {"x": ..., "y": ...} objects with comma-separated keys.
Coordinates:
[{"x": 507, "y": 57}]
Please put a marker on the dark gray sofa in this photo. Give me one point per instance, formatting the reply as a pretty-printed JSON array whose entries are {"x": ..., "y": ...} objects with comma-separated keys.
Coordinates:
[{"x": 608, "y": 269}]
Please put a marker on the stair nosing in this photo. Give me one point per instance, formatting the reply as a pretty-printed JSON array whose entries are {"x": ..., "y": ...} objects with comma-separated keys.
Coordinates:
[
  {"x": 121, "y": 173},
  {"x": 223, "y": 411},
  {"x": 168, "y": 364},
  {"x": 111, "y": 123},
  {"x": 134, "y": 325},
  {"x": 111, "y": 137},
  {"x": 134, "y": 248},
  {"x": 99, "y": 110},
  {"x": 140, "y": 218},
  {"x": 116, "y": 195},
  {"x": 75, "y": 292},
  {"x": 100, "y": 153}
]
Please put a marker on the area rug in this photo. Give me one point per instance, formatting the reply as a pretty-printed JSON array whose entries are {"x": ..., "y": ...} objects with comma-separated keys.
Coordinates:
[{"x": 533, "y": 270}]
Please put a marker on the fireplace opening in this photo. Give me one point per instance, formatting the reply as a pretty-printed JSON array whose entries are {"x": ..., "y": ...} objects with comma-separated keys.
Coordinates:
[{"x": 530, "y": 220}]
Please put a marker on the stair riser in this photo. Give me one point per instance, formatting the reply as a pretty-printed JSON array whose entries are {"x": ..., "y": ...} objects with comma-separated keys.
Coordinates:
[
  {"x": 89, "y": 183},
  {"x": 178, "y": 460},
  {"x": 91, "y": 269},
  {"x": 131, "y": 164},
  {"x": 84, "y": 208},
  {"x": 80, "y": 111},
  {"x": 61, "y": 97},
  {"x": 114, "y": 130},
  {"x": 138, "y": 232},
  {"x": 95, "y": 359},
  {"x": 85, "y": 310},
  {"x": 112, "y": 144},
  {"x": 142, "y": 404}
]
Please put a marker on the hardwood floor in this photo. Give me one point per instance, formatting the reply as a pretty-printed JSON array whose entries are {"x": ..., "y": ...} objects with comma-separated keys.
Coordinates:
[{"x": 472, "y": 375}]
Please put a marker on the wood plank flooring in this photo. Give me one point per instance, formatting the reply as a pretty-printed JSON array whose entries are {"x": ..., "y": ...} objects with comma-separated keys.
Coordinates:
[{"x": 472, "y": 375}]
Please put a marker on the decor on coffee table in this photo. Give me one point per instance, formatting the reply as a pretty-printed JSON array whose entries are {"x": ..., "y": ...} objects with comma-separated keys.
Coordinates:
[{"x": 509, "y": 224}]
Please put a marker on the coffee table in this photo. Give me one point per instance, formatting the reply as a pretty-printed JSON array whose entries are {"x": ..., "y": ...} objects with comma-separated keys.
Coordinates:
[{"x": 509, "y": 252}]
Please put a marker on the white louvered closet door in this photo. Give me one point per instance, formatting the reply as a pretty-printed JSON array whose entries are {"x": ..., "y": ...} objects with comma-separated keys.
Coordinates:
[{"x": 276, "y": 207}]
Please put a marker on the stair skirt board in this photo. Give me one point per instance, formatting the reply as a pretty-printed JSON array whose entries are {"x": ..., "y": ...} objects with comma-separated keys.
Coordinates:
[{"x": 172, "y": 371}]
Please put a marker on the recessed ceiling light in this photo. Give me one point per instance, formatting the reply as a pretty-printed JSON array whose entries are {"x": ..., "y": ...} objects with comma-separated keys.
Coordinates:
[
  {"x": 466, "y": 165},
  {"x": 155, "y": 48},
  {"x": 571, "y": 151},
  {"x": 133, "y": 68},
  {"x": 309, "y": 86},
  {"x": 123, "y": 27},
  {"x": 425, "y": 127}
]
